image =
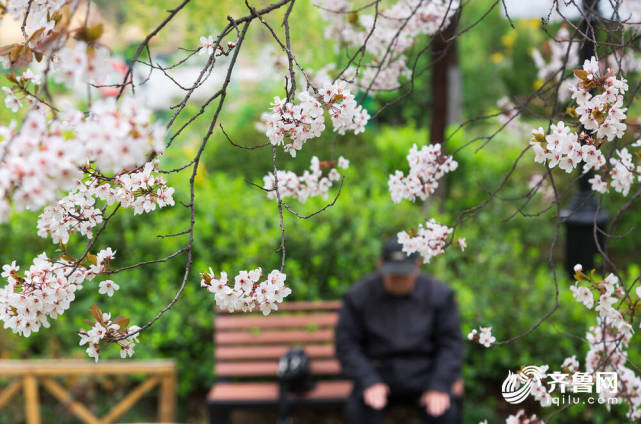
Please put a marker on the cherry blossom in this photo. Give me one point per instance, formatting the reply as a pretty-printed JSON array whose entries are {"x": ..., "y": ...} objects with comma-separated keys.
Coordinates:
[
  {"x": 296, "y": 123},
  {"x": 291, "y": 125},
  {"x": 599, "y": 98},
  {"x": 583, "y": 294},
  {"x": 429, "y": 240},
  {"x": 539, "y": 391},
  {"x": 608, "y": 340},
  {"x": 47, "y": 156},
  {"x": 77, "y": 212},
  {"x": 143, "y": 191},
  {"x": 388, "y": 37},
  {"x": 311, "y": 183},
  {"x": 74, "y": 213},
  {"x": 206, "y": 45},
  {"x": 105, "y": 256},
  {"x": 600, "y": 113},
  {"x": 562, "y": 148},
  {"x": 598, "y": 184},
  {"x": 106, "y": 330},
  {"x": 10, "y": 100},
  {"x": 108, "y": 287},
  {"x": 521, "y": 418},
  {"x": 561, "y": 52},
  {"x": 571, "y": 364},
  {"x": 41, "y": 15},
  {"x": 248, "y": 292},
  {"x": 482, "y": 336},
  {"x": 427, "y": 167},
  {"x": 82, "y": 63},
  {"x": 43, "y": 292}
]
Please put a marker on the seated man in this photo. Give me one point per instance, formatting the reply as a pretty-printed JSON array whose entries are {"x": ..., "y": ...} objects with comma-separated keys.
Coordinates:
[{"x": 398, "y": 338}]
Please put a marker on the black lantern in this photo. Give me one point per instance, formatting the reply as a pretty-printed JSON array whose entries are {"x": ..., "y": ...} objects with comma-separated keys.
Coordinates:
[{"x": 580, "y": 218}]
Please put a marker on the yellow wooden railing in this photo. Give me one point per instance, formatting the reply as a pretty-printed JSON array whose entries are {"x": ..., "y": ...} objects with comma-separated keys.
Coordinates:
[{"x": 29, "y": 375}]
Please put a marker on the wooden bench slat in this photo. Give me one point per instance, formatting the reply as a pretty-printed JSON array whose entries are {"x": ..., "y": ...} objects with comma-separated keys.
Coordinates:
[
  {"x": 222, "y": 392},
  {"x": 269, "y": 368},
  {"x": 226, "y": 322},
  {"x": 263, "y": 337},
  {"x": 270, "y": 352},
  {"x": 332, "y": 305},
  {"x": 328, "y": 305}
]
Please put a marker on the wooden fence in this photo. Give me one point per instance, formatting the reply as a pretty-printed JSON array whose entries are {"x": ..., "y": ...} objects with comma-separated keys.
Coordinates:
[{"x": 28, "y": 375}]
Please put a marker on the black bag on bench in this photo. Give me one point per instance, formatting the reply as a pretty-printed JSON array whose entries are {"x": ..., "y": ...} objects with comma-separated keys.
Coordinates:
[{"x": 294, "y": 376}]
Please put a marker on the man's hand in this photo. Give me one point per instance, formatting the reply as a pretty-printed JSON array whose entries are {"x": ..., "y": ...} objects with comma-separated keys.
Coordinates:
[
  {"x": 435, "y": 402},
  {"x": 376, "y": 396}
]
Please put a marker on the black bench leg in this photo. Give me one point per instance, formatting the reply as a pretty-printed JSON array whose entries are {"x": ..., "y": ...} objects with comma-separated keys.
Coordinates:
[
  {"x": 284, "y": 414},
  {"x": 218, "y": 415}
]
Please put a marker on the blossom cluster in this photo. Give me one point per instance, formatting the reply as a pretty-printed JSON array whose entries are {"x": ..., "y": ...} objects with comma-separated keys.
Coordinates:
[
  {"x": 82, "y": 63},
  {"x": 429, "y": 240},
  {"x": 296, "y": 123},
  {"x": 387, "y": 37},
  {"x": 560, "y": 53},
  {"x": 311, "y": 183},
  {"x": 77, "y": 212},
  {"x": 427, "y": 167},
  {"x": 46, "y": 290},
  {"x": 521, "y": 418},
  {"x": 562, "y": 148},
  {"x": 622, "y": 172},
  {"x": 107, "y": 329},
  {"x": 482, "y": 336},
  {"x": 207, "y": 46},
  {"x": 599, "y": 99},
  {"x": 47, "y": 155},
  {"x": 22, "y": 84},
  {"x": 608, "y": 340},
  {"x": 42, "y": 14},
  {"x": 539, "y": 390},
  {"x": 248, "y": 292},
  {"x": 28, "y": 301},
  {"x": 291, "y": 125},
  {"x": 570, "y": 364},
  {"x": 602, "y": 113}
]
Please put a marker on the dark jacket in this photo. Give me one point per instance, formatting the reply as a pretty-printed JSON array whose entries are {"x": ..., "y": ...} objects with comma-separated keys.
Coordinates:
[{"x": 411, "y": 343}]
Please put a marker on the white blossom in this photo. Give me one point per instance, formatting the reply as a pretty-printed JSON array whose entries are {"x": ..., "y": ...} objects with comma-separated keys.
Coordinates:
[
  {"x": 427, "y": 167},
  {"x": 249, "y": 292}
]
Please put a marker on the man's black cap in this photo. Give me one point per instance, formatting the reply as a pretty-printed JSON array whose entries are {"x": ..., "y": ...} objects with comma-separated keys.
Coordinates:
[{"x": 395, "y": 261}]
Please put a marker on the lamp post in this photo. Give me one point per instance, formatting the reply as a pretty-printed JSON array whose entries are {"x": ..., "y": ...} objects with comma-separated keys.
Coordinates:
[{"x": 581, "y": 246}]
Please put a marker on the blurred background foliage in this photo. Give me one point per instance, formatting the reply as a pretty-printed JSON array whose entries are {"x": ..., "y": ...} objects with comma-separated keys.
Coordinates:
[{"x": 502, "y": 279}]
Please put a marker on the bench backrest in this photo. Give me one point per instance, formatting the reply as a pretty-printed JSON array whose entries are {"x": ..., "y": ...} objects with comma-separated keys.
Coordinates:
[{"x": 250, "y": 345}]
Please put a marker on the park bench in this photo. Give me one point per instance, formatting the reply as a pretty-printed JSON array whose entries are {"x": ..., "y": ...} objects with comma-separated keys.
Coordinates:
[{"x": 248, "y": 347}]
